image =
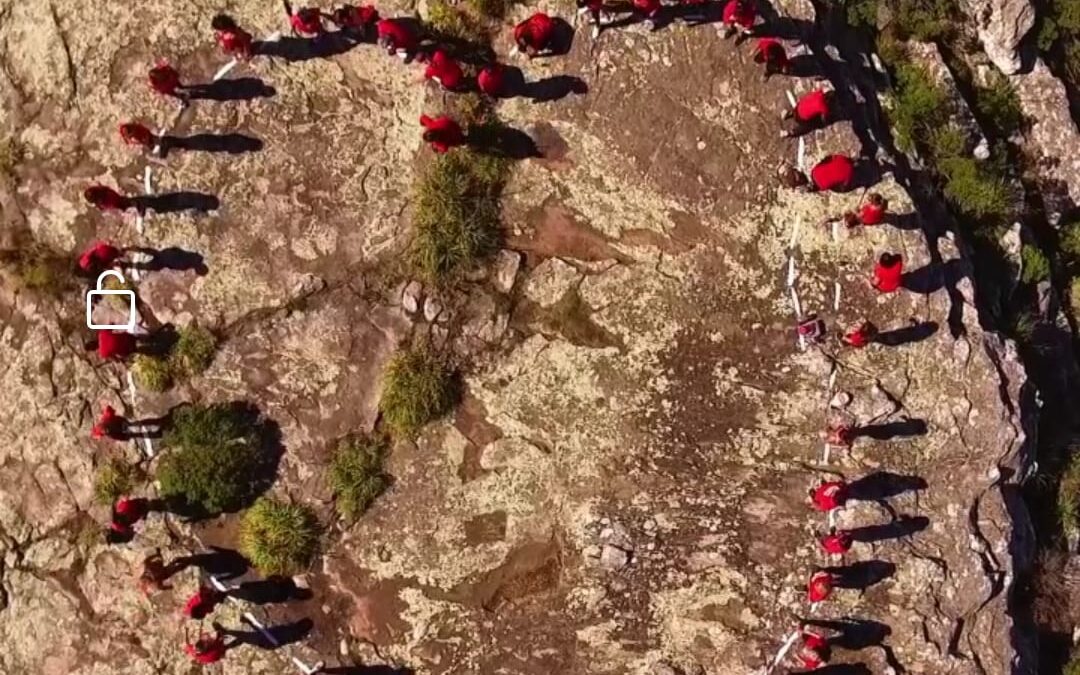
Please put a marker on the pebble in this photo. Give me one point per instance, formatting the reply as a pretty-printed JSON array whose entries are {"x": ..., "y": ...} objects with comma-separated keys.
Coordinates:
[{"x": 614, "y": 558}]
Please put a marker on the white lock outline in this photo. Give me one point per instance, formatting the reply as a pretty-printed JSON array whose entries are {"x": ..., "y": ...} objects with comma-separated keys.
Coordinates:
[{"x": 130, "y": 325}]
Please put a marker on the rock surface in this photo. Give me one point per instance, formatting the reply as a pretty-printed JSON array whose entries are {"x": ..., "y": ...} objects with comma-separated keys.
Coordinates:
[{"x": 1001, "y": 25}]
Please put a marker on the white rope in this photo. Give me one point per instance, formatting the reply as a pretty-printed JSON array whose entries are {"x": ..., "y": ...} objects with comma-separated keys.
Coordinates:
[{"x": 224, "y": 70}]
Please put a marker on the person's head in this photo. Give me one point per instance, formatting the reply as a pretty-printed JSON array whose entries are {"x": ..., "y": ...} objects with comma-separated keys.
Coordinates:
[
  {"x": 851, "y": 219},
  {"x": 96, "y": 193},
  {"x": 223, "y": 22},
  {"x": 889, "y": 259},
  {"x": 90, "y": 345},
  {"x": 429, "y": 135},
  {"x": 308, "y": 15},
  {"x": 793, "y": 178},
  {"x": 876, "y": 199},
  {"x": 205, "y": 643},
  {"x": 387, "y": 43}
]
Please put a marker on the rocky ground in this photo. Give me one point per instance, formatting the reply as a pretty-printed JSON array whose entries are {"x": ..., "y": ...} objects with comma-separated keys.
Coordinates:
[{"x": 624, "y": 483}]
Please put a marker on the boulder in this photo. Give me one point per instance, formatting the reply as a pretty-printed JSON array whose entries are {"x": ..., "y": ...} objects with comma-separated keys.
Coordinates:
[{"x": 1001, "y": 25}]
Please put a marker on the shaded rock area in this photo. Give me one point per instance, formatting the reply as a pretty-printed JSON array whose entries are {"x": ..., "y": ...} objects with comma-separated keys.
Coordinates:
[{"x": 624, "y": 486}]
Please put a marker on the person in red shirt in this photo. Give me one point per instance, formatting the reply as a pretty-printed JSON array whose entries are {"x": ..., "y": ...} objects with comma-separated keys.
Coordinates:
[
  {"x": 771, "y": 52},
  {"x": 888, "y": 272},
  {"x": 207, "y": 649},
  {"x": 202, "y": 603},
  {"x": 234, "y": 41},
  {"x": 107, "y": 199},
  {"x": 649, "y": 11},
  {"x": 166, "y": 81},
  {"x": 134, "y": 133},
  {"x": 861, "y": 335},
  {"x": 840, "y": 435},
  {"x": 535, "y": 34},
  {"x": 811, "y": 112},
  {"x": 491, "y": 80},
  {"x": 397, "y": 37},
  {"x": 444, "y": 70},
  {"x": 836, "y": 542},
  {"x": 834, "y": 173},
  {"x": 99, "y": 257},
  {"x": 109, "y": 425},
  {"x": 820, "y": 586},
  {"x": 306, "y": 22},
  {"x": 113, "y": 344},
  {"x": 739, "y": 16},
  {"x": 126, "y": 512},
  {"x": 359, "y": 21},
  {"x": 813, "y": 651},
  {"x": 593, "y": 8},
  {"x": 873, "y": 211},
  {"x": 442, "y": 133},
  {"x": 829, "y": 495}
]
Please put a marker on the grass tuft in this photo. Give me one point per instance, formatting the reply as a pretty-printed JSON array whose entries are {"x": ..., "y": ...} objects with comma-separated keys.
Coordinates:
[
  {"x": 918, "y": 106},
  {"x": 974, "y": 188},
  {"x": 1068, "y": 498},
  {"x": 356, "y": 475},
  {"x": 417, "y": 388},
  {"x": 113, "y": 480},
  {"x": 151, "y": 373},
  {"x": 193, "y": 352},
  {"x": 214, "y": 458},
  {"x": 279, "y": 538},
  {"x": 1036, "y": 266},
  {"x": 447, "y": 20},
  {"x": 999, "y": 105},
  {"x": 38, "y": 268}
]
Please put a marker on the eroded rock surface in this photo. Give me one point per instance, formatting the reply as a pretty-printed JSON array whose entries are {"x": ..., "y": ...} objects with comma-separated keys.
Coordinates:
[{"x": 1001, "y": 25}]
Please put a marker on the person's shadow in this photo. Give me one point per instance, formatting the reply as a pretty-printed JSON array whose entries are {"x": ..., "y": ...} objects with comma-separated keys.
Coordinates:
[
  {"x": 503, "y": 141},
  {"x": 172, "y": 258},
  {"x": 366, "y": 670},
  {"x": 239, "y": 89},
  {"x": 174, "y": 202},
  {"x": 223, "y": 563},
  {"x": 903, "y": 526},
  {"x": 837, "y": 669},
  {"x": 883, "y": 485},
  {"x": 554, "y": 88},
  {"x": 914, "y": 332},
  {"x": 272, "y": 590},
  {"x": 275, "y": 636},
  {"x": 853, "y": 634},
  {"x": 295, "y": 49},
  {"x": 233, "y": 144},
  {"x": 904, "y": 428},
  {"x": 933, "y": 277},
  {"x": 861, "y": 575},
  {"x": 698, "y": 13}
]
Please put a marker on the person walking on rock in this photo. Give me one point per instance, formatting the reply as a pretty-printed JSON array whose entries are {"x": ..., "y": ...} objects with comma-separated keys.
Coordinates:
[
  {"x": 234, "y": 41},
  {"x": 207, "y": 648},
  {"x": 649, "y": 12},
  {"x": 491, "y": 80},
  {"x": 833, "y": 173},
  {"x": 112, "y": 345},
  {"x": 442, "y": 132},
  {"x": 202, "y": 603},
  {"x": 165, "y": 80},
  {"x": 820, "y": 587},
  {"x": 109, "y": 425},
  {"x": 813, "y": 650},
  {"x": 836, "y": 542},
  {"x": 535, "y": 35},
  {"x": 829, "y": 495},
  {"x": 861, "y": 335},
  {"x": 305, "y": 22},
  {"x": 444, "y": 70},
  {"x": 356, "y": 21},
  {"x": 107, "y": 199},
  {"x": 873, "y": 211},
  {"x": 100, "y": 256},
  {"x": 771, "y": 52},
  {"x": 812, "y": 111},
  {"x": 840, "y": 435},
  {"x": 397, "y": 37},
  {"x": 133, "y": 133},
  {"x": 594, "y": 8},
  {"x": 126, "y": 513},
  {"x": 739, "y": 17},
  {"x": 888, "y": 272}
]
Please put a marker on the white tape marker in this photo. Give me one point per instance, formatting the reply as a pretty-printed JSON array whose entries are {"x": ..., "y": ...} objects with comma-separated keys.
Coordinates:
[
  {"x": 224, "y": 70},
  {"x": 825, "y": 455},
  {"x": 131, "y": 388},
  {"x": 836, "y": 296},
  {"x": 791, "y": 98},
  {"x": 788, "y": 644},
  {"x": 796, "y": 305},
  {"x": 832, "y": 382},
  {"x": 835, "y": 231},
  {"x": 795, "y": 232},
  {"x": 802, "y": 154},
  {"x": 792, "y": 273}
]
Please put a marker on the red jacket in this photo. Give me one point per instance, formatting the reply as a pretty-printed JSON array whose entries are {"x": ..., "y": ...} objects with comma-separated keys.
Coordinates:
[
  {"x": 397, "y": 34},
  {"x": 860, "y": 337},
  {"x": 535, "y": 32},
  {"x": 812, "y": 106},
  {"x": 872, "y": 214},
  {"x": 833, "y": 173},
  {"x": 307, "y": 21},
  {"x": 106, "y": 198},
  {"x": 115, "y": 344},
  {"x": 444, "y": 70},
  {"x": 164, "y": 79},
  {"x": 136, "y": 134},
  {"x": 108, "y": 424},
  {"x": 649, "y": 7},
  {"x": 356, "y": 17},
  {"x": 491, "y": 79},
  {"x": 739, "y": 14},
  {"x": 837, "y": 543},
  {"x": 99, "y": 256},
  {"x": 443, "y": 132},
  {"x": 888, "y": 279},
  {"x": 811, "y": 653},
  {"x": 831, "y": 495},
  {"x": 206, "y": 650},
  {"x": 234, "y": 42},
  {"x": 820, "y": 587},
  {"x": 202, "y": 603},
  {"x": 771, "y": 50}
]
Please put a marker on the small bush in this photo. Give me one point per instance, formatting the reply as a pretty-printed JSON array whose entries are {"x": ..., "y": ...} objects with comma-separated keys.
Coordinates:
[
  {"x": 1036, "y": 266},
  {"x": 973, "y": 189},
  {"x": 214, "y": 461},
  {"x": 356, "y": 475},
  {"x": 112, "y": 283},
  {"x": 194, "y": 351},
  {"x": 1022, "y": 328},
  {"x": 417, "y": 388},
  {"x": 151, "y": 373},
  {"x": 861, "y": 13},
  {"x": 279, "y": 538},
  {"x": 925, "y": 20},
  {"x": 1070, "y": 241},
  {"x": 36, "y": 267},
  {"x": 1072, "y": 667},
  {"x": 918, "y": 107},
  {"x": 457, "y": 217},
  {"x": 447, "y": 20},
  {"x": 1068, "y": 500},
  {"x": 999, "y": 105},
  {"x": 948, "y": 141},
  {"x": 1074, "y": 294},
  {"x": 113, "y": 480}
]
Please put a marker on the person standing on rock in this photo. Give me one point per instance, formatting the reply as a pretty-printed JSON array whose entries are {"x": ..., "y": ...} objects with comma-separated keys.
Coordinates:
[
  {"x": 593, "y": 8},
  {"x": 207, "y": 649},
  {"x": 829, "y": 495},
  {"x": 813, "y": 650},
  {"x": 234, "y": 41},
  {"x": 133, "y": 133},
  {"x": 888, "y": 272},
  {"x": 114, "y": 345},
  {"x": 305, "y": 22},
  {"x": 107, "y": 199},
  {"x": 165, "y": 80},
  {"x": 535, "y": 34},
  {"x": 812, "y": 111},
  {"x": 836, "y": 542},
  {"x": 491, "y": 80},
  {"x": 861, "y": 335},
  {"x": 199, "y": 605},
  {"x": 820, "y": 586},
  {"x": 444, "y": 70},
  {"x": 739, "y": 17},
  {"x": 358, "y": 22},
  {"x": 397, "y": 37},
  {"x": 100, "y": 256},
  {"x": 442, "y": 132},
  {"x": 771, "y": 52}
]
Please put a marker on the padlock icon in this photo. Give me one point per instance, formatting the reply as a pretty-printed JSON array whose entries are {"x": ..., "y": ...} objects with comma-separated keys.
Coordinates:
[{"x": 90, "y": 295}]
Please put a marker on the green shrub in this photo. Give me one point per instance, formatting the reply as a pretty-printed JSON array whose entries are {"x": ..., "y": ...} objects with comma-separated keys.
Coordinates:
[
  {"x": 151, "y": 373},
  {"x": 194, "y": 351},
  {"x": 1068, "y": 499},
  {"x": 1070, "y": 240},
  {"x": 1074, "y": 294},
  {"x": 279, "y": 538},
  {"x": 918, "y": 107},
  {"x": 113, "y": 480},
  {"x": 356, "y": 475},
  {"x": 447, "y": 20},
  {"x": 1022, "y": 328},
  {"x": 1072, "y": 667},
  {"x": 1036, "y": 266},
  {"x": 417, "y": 388},
  {"x": 948, "y": 141},
  {"x": 457, "y": 218},
  {"x": 925, "y": 20},
  {"x": 999, "y": 105},
  {"x": 861, "y": 13},
  {"x": 214, "y": 460},
  {"x": 973, "y": 189}
]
